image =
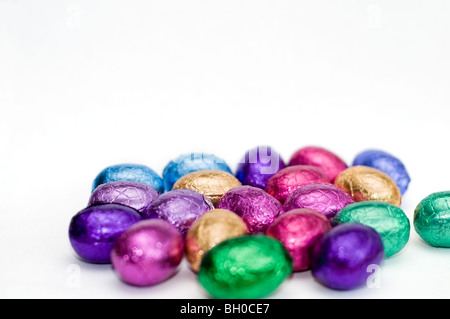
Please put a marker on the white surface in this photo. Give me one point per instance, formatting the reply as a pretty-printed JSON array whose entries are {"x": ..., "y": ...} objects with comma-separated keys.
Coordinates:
[{"x": 86, "y": 84}]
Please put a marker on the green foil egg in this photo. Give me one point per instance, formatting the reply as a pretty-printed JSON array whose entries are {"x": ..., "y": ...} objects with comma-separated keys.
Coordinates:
[
  {"x": 246, "y": 267},
  {"x": 388, "y": 220},
  {"x": 432, "y": 219}
]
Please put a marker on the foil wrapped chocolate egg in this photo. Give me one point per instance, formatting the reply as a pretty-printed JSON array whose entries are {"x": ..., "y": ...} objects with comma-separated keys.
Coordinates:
[
  {"x": 327, "y": 199},
  {"x": 147, "y": 253},
  {"x": 130, "y": 172},
  {"x": 180, "y": 207},
  {"x": 283, "y": 183},
  {"x": 257, "y": 208},
  {"x": 192, "y": 162},
  {"x": 94, "y": 230},
  {"x": 211, "y": 183},
  {"x": 344, "y": 257},
  {"x": 367, "y": 183},
  {"x": 299, "y": 230},
  {"x": 132, "y": 194},
  {"x": 258, "y": 165},
  {"x": 326, "y": 160},
  {"x": 388, "y": 220},
  {"x": 387, "y": 163},
  {"x": 245, "y": 267},
  {"x": 432, "y": 219},
  {"x": 210, "y": 229}
]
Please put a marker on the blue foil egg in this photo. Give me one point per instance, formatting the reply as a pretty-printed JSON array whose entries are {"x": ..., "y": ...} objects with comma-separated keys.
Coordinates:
[
  {"x": 132, "y": 173},
  {"x": 386, "y": 163},
  {"x": 192, "y": 162}
]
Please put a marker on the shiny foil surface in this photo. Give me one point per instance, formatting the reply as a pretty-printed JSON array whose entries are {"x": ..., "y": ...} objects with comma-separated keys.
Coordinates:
[
  {"x": 386, "y": 163},
  {"x": 192, "y": 162},
  {"x": 211, "y": 183},
  {"x": 367, "y": 183},
  {"x": 94, "y": 230},
  {"x": 246, "y": 267},
  {"x": 341, "y": 259},
  {"x": 329, "y": 162},
  {"x": 388, "y": 220},
  {"x": 258, "y": 165},
  {"x": 283, "y": 183},
  {"x": 130, "y": 172},
  {"x": 147, "y": 253},
  {"x": 432, "y": 219},
  {"x": 299, "y": 230},
  {"x": 210, "y": 229},
  {"x": 180, "y": 207},
  {"x": 325, "y": 198},
  {"x": 132, "y": 194}
]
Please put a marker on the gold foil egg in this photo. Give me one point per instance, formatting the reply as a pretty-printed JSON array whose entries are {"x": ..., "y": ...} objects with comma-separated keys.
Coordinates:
[
  {"x": 367, "y": 183},
  {"x": 210, "y": 229},
  {"x": 211, "y": 183}
]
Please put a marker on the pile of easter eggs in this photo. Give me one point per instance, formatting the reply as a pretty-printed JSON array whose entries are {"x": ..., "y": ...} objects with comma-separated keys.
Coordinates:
[{"x": 245, "y": 233}]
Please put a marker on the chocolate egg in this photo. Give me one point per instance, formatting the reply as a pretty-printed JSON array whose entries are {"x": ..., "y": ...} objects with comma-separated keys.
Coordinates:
[
  {"x": 245, "y": 267},
  {"x": 299, "y": 230},
  {"x": 325, "y": 198},
  {"x": 147, "y": 253},
  {"x": 94, "y": 230},
  {"x": 432, "y": 219},
  {"x": 329, "y": 162},
  {"x": 210, "y": 229},
  {"x": 180, "y": 207},
  {"x": 257, "y": 208},
  {"x": 283, "y": 183},
  {"x": 132, "y": 173},
  {"x": 388, "y": 220},
  {"x": 192, "y": 162},
  {"x": 387, "y": 163},
  {"x": 258, "y": 165},
  {"x": 132, "y": 194},
  {"x": 367, "y": 183},
  {"x": 211, "y": 183}
]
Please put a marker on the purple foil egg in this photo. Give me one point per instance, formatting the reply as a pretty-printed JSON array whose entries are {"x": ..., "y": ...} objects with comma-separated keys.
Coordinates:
[
  {"x": 180, "y": 207},
  {"x": 346, "y": 256},
  {"x": 299, "y": 230},
  {"x": 147, "y": 253},
  {"x": 325, "y": 198},
  {"x": 94, "y": 230},
  {"x": 258, "y": 165},
  {"x": 257, "y": 208},
  {"x": 132, "y": 194}
]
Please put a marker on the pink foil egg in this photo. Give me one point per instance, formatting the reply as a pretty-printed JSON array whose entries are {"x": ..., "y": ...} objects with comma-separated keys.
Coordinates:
[
  {"x": 148, "y": 253},
  {"x": 283, "y": 183},
  {"x": 329, "y": 162},
  {"x": 299, "y": 230}
]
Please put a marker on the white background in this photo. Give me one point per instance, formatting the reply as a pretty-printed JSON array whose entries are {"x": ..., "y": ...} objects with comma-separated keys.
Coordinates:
[{"x": 85, "y": 84}]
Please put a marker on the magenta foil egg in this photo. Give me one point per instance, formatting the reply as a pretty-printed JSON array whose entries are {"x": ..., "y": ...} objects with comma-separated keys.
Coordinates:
[
  {"x": 283, "y": 183},
  {"x": 148, "y": 253},
  {"x": 257, "y": 208},
  {"x": 329, "y": 162},
  {"x": 299, "y": 230},
  {"x": 325, "y": 198}
]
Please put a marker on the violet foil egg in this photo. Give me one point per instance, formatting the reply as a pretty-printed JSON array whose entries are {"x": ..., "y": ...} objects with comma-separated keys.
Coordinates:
[
  {"x": 147, "y": 253},
  {"x": 329, "y": 162},
  {"x": 94, "y": 230},
  {"x": 345, "y": 257},
  {"x": 327, "y": 199},
  {"x": 258, "y": 165},
  {"x": 257, "y": 208},
  {"x": 132, "y": 194},
  {"x": 298, "y": 230},
  {"x": 283, "y": 183},
  {"x": 180, "y": 207}
]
